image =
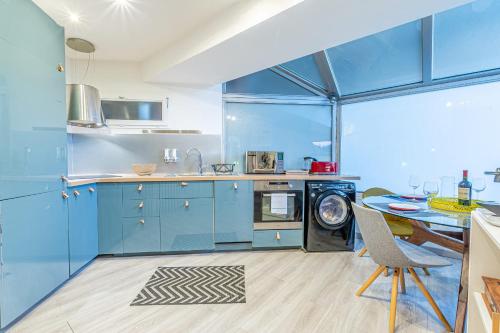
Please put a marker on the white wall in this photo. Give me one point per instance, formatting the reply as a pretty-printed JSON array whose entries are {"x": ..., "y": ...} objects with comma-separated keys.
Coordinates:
[{"x": 189, "y": 107}]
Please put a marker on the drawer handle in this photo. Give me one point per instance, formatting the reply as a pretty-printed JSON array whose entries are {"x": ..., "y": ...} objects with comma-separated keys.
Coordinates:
[
  {"x": 64, "y": 195},
  {"x": 139, "y": 187},
  {"x": 64, "y": 179},
  {"x": 278, "y": 236},
  {"x": 235, "y": 186},
  {"x": 184, "y": 184},
  {"x": 76, "y": 193},
  {"x": 141, "y": 221},
  {"x": 141, "y": 205},
  {"x": 91, "y": 189},
  {"x": 186, "y": 203}
]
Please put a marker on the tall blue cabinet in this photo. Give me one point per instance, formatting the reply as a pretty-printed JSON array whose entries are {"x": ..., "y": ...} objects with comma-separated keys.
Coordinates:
[{"x": 33, "y": 215}]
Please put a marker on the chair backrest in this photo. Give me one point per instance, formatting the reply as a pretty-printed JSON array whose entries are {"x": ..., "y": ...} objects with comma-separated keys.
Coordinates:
[
  {"x": 378, "y": 238},
  {"x": 375, "y": 191}
]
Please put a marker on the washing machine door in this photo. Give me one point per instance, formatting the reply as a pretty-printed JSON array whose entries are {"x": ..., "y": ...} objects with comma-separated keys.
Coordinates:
[{"x": 332, "y": 209}]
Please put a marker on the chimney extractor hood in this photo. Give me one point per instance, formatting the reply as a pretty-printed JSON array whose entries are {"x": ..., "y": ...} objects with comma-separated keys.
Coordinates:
[{"x": 84, "y": 106}]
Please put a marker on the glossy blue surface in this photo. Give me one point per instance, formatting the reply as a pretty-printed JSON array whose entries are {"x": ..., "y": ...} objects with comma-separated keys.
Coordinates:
[
  {"x": 186, "y": 228},
  {"x": 270, "y": 239},
  {"x": 141, "y": 237},
  {"x": 187, "y": 190},
  {"x": 297, "y": 130},
  {"x": 386, "y": 59},
  {"x": 466, "y": 39},
  {"x": 140, "y": 190},
  {"x": 32, "y": 101},
  {"x": 34, "y": 251},
  {"x": 132, "y": 207},
  {"x": 233, "y": 211},
  {"x": 83, "y": 237},
  {"x": 109, "y": 205}
]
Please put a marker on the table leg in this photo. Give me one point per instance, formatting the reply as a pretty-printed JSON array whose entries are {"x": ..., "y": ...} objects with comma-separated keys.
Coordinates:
[
  {"x": 464, "y": 287},
  {"x": 422, "y": 233}
]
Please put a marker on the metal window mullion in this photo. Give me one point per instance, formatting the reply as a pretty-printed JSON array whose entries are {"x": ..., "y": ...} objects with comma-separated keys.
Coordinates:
[
  {"x": 327, "y": 74},
  {"x": 427, "y": 48},
  {"x": 338, "y": 135},
  {"x": 298, "y": 80}
]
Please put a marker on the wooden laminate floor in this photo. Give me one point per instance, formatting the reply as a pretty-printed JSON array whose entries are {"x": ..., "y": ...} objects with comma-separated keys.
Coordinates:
[{"x": 287, "y": 291}]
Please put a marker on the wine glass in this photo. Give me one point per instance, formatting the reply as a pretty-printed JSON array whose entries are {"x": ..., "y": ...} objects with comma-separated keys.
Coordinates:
[
  {"x": 414, "y": 183},
  {"x": 478, "y": 185},
  {"x": 431, "y": 189}
]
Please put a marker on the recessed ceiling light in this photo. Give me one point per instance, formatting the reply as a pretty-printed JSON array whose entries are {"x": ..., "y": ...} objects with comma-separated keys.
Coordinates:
[{"x": 73, "y": 17}]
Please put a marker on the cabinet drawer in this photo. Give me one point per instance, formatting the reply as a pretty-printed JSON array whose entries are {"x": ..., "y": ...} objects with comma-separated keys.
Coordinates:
[
  {"x": 186, "y": 190},
  {"x": 141, "y": 191},
  {"x": 138, "y": 207},
  {"x": 277, "y": 238},
  {"x": 141, "y": 234}
]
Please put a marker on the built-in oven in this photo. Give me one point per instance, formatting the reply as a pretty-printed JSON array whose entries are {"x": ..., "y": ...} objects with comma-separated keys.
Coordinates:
[{"x": 278, "y": 204}]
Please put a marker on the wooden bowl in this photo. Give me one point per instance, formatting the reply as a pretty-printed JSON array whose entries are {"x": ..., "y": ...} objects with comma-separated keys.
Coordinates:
[{"x": 144, "y": 169}]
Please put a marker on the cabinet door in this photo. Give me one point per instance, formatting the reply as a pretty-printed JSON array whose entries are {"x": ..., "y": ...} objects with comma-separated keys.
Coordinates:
[
  {"x": 83, "y": 243},
  {"x": 141, "y": 234},
  {"x": 32, "y": 101},
  {"x": 34, "y": 251},
  {"x": 186, "y": 224},
  {"x": 233, "y": 211},
  {"x": 109, "y": 207}
]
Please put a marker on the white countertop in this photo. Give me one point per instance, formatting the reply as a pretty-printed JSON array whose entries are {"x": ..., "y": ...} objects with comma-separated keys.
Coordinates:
[
  {"x": 491, "y": 230},
  {"x": 132, "y": 178}
]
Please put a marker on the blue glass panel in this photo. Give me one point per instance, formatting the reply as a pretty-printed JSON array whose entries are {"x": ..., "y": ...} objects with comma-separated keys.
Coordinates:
[
  {"x": 387, "y": 59},
  {"x": 467, "y": 39},
  {"x": 297, "y": 130},
  {"x": 307, "y": 68},
  {"x": 265, "y": 82}
]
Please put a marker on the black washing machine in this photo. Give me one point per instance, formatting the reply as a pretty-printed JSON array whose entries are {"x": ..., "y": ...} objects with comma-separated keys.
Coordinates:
[{"x": 329, "y": 217}]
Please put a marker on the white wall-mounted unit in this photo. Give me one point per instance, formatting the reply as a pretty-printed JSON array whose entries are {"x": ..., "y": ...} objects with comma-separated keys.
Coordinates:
[{"x": 134, "y": 113}]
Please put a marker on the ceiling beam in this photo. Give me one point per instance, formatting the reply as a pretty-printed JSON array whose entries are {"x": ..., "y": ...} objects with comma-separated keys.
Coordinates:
[
  {"x": 299, "y": 80},
  {"x": 327, "y": 74}
]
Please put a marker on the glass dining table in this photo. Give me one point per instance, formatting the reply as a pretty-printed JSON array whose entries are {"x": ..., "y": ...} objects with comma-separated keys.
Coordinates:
[{"x": 426, "y": 223}]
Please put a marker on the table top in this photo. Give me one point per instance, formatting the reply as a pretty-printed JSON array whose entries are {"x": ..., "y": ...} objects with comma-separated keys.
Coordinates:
[{"x": 426, "y": 214}]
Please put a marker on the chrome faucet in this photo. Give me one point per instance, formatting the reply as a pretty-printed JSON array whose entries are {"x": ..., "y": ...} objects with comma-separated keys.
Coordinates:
[
  {"x": 200, "y": 160},
  {"x": 494, "y": 173}
]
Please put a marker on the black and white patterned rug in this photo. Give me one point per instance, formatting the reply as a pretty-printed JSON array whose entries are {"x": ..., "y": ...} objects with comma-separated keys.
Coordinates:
[{"x": 194, "y": 285}]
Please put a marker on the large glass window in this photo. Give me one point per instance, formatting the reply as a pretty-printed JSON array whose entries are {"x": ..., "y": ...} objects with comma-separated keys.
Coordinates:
[
  {"x": 386, "y": 59},
  {"x": 307, "y": 68},
  {"x": 429, "y": 135},
  {"x": 467, "y": 39},
  {"x": 297, "y": 130}
]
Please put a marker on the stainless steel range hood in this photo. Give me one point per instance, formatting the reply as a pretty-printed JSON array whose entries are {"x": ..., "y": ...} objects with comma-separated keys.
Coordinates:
[{"x": 84, "y": 106}]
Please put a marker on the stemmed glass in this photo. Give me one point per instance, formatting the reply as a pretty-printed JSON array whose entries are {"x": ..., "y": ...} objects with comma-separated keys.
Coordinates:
[
  {"x": 478, "y": 185},
  {"x": 431, "y": 189},
  {"x": 414, "y": 183}
]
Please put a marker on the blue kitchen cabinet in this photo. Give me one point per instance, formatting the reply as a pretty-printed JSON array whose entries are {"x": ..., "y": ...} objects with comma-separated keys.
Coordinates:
[
  {"x": 141, "y": 191},
  {"x": 278, "y": 238},
  {"x": 233, "y": 211},
  {"x": 83, "y": 239},
  {"x": 186, "y": 224},
  {"x": 32, "y": 101},
  {"x": 34, "y": 251},
  {"x": 109, "y": 207},
  {"x": 187, "y": 190},
  {"x": 141, "y": 234}
]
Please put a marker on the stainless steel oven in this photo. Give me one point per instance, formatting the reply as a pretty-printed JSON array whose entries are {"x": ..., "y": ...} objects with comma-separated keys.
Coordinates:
[{"x": 278, "y": 204}]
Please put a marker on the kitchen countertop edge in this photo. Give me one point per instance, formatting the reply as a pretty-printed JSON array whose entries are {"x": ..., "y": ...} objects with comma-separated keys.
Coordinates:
[{"x": 158, "y": 178}]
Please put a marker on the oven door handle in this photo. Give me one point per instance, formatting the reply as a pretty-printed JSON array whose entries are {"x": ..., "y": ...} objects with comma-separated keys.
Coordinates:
[{"x": 288, "y": 195}]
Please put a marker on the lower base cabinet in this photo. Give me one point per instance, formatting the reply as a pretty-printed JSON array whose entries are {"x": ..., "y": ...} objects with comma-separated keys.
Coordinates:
[
  {"x": 34, "y": 251},
  {"x": 141, "y": 234},
  {"x": 278, "y": 238},
  {"x": 187, "y": 224},
  {"x": 109, "y": 206}
]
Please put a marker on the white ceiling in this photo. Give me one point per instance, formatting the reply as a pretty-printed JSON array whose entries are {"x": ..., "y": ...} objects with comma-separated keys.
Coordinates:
[{"x": 203, "y": 42}]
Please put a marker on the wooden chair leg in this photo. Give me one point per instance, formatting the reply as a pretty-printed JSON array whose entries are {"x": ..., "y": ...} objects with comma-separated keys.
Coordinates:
[
  {"x": 386, "y": 272},
  {"x": 402, "y": 280},
  {"x": 394, "y": 300},
  {"x": 429, "y": 298},
  {"x": 362, "y": 252},
  {"x": 426, "y": 271},
  {"x": 370, "y": 280}
]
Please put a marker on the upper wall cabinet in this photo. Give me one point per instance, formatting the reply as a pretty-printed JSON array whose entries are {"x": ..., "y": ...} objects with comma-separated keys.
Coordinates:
[{"x": 32, "y": 101}]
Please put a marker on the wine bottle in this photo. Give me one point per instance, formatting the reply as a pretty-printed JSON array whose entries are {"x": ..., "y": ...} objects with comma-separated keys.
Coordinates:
[{"x": 464, "y": 190}]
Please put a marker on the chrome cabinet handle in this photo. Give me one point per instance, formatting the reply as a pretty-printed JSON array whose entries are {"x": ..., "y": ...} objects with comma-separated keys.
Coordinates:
[
  {"x": 278, "y": 236},
  {"x": 186, "y": 204},
  {"x": 64, "y": 179},
  {"x": 141, "y": 221},
  {"x": 91, "y": 189},
  {"x": 235, "y": 186},
  {"x": 64, "y": 195},
  {"x": 184, "y": 184},
  {"x": 76, "y": 193},
  {"x": 139, "y": 187},
  {"x": 141, "y": 205}
]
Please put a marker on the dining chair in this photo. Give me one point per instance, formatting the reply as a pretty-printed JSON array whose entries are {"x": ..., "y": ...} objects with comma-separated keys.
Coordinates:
[{"x": 398, "y": 254}]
